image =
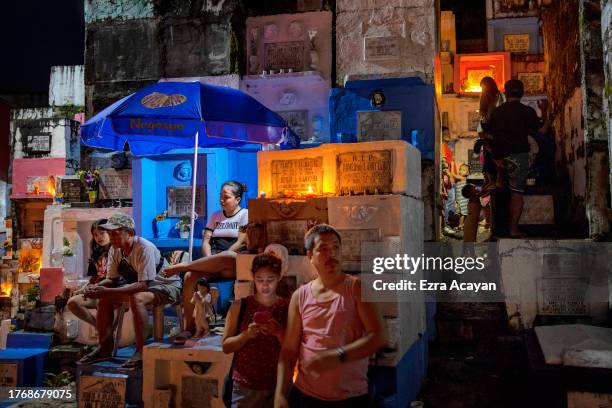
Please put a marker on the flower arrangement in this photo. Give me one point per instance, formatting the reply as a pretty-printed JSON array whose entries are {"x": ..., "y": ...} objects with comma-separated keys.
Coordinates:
[
  {"x": 67, "y": 248},
  {"x": 89, "y": 178},
  {"x": 162, "y": 216},
  {"x": 184, "y": 224},
  {"x": 7, "y": 245}
]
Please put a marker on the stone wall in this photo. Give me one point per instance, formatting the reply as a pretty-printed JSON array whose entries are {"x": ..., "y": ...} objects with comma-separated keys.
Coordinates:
[
  {"x": 135, "y": 43},
  {"x": 562, "y": 55},
  {"x": 606, "y": 33},
  {"x": 67, "y": 86},
  {"x": 382, "y": 37},
  {"x": 595, "y": 135}
]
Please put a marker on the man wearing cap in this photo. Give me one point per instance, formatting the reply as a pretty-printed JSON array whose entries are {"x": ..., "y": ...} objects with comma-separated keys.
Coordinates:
[
  {"x": 510, "y": 124},
  {"x": 133, "y": 277}
]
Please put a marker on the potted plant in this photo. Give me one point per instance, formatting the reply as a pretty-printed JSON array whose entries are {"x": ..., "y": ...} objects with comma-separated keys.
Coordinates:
[
  {"x": 69, "y": 260},
  {"x": 90, "y": 180},
  {"x": 184, "y": 226}
]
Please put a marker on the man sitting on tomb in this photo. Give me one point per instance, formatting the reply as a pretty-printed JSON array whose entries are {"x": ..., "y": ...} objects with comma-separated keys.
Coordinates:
[
  {"x": 134, "y": 267},
  {"x": 331, "y": 330}
]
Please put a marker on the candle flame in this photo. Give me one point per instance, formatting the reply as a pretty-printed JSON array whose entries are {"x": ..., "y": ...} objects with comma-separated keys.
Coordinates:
[
  {"x": 474, "y": 88},
  {"x": 310, "y": 190},
  {"x": 5, "y": 289}
]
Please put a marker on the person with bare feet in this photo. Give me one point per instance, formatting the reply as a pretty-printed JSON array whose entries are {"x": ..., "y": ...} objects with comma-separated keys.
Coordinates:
[
  {"x": 133, "y": 278},
  {"x": 99, "y": 247},
  {"x": 202, "y": 301},
  {"x": 224, "y": 237}
]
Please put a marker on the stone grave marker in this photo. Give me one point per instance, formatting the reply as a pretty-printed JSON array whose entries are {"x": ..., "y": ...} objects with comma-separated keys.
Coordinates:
[
  {"x": 115, "y": 184},
  {"x": 364, "y": 172},
  {"x": 379, "y": 125},
  {"x": 102, "y": 391},
  {"x": 381, "y": 48},
  {"x": 297, "y": 176},
  {"x": 179, "y": 201}
]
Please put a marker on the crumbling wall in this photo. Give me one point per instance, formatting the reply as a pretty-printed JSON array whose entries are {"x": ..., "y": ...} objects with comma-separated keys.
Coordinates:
[
  {"x": 563, "y": 82},
  {"x": 137, "y": 42},
  {"x": 606, "y": 34},
  {"x": 385, "y": 37},
  {"x": 595, "y": 134}
]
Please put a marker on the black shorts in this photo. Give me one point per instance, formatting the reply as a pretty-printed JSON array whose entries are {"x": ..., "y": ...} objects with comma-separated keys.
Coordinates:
[{"x": 297, "y": 399}]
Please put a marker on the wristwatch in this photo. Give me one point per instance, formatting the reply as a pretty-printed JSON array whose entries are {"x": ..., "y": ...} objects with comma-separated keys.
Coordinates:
[{"x": 341, "y": 354}]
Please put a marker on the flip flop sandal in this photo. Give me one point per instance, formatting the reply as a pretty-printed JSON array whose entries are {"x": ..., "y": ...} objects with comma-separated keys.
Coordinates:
[
  {"x": 182, "y": 337},
  {"x": 133, "y": 363},
  {"x": 95, "y": 357}
]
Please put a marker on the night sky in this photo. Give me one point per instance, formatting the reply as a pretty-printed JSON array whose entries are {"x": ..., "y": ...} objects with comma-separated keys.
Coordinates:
[{"x": 35, "y": 35}]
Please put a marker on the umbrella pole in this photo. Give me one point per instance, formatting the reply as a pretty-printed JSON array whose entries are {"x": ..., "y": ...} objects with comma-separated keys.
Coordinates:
[{"x": 193, "y": 196}]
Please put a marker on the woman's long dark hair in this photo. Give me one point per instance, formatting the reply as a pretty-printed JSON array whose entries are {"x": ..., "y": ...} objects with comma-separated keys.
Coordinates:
[
  {"x": 96, "y": 251},
  {"x": 488, "y": 97}
]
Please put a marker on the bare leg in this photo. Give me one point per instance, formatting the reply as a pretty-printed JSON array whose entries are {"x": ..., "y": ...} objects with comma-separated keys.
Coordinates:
[
  {"x": 105, "y": 318},
  {"x": 80, "y": 307},
  {"x": 516, "y": 209},
  {"x": 138, "y": 304},
  {"x": 221, "y": 265}
]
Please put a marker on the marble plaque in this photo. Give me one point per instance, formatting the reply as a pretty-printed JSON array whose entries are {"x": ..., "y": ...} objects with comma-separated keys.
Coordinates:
[
  {"x": 198, "y": 392},
  {"x": 8, "y": 375},
  {"x": 379, "y": 125},
  {"x": 99, "y": 391},
  {"x": 351, "y": 246},
  {"x": 555, "y": 264},
  {"x": 381, "y": 48},
  {"x": 516, "y": 43},
  {"x": 72, "y": 188},
  {"x": 538, "y": 210},
  {"x": 533, "y": 82},
  {"x": 115, "y": 184},
  {"x": 290, "y": 233},
  {"x": 297, "y": 176},
  {"x": 562, "y": 296},
  {"x": 474, "y": 162},
  {"x": 473, "y": 121},
  {"x": 179, "y": 201},
  {"x": 284, "y": 55},
  {"x": 364, "y": 172},
  {"x": 297, "y": 121},
  {"x": 39, "y": 143}
]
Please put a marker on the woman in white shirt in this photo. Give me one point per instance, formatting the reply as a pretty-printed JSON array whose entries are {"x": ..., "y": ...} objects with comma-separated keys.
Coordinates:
[{"x": 224, "y": 237}]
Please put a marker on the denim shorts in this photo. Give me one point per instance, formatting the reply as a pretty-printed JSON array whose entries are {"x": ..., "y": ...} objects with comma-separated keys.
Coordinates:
[{"x": 517, "y": 170}]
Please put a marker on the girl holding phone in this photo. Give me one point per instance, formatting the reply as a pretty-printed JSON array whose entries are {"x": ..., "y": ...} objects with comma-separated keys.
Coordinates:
[{"x": 254, "y": 332}]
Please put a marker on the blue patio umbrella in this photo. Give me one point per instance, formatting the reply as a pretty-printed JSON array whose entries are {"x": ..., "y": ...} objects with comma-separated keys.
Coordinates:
[{"x": 172, "y": 115}]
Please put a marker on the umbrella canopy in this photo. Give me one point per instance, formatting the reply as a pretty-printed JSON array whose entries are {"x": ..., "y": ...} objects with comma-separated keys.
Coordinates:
[
  {"x": 173, "y": 115},
  {"x": 167, "y": 115}
]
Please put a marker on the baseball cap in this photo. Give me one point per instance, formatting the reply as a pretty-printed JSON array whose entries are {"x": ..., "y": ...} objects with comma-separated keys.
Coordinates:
[{"x": 117, "y": 221}]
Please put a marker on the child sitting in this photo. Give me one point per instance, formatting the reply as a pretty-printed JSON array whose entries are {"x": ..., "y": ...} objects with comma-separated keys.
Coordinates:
[{"x": 202, "y": 300}]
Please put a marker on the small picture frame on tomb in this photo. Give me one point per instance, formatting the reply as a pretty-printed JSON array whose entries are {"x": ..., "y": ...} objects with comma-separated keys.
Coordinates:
[
  {"x": 378, "y": 98},
  {"x": 179, "y": 201}
]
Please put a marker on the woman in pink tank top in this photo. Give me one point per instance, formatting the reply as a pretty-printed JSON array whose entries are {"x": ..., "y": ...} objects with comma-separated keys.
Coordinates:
[{"x": 330, "y": 332}]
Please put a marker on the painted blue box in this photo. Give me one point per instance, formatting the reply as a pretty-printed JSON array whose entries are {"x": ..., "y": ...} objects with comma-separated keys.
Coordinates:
[
  {"x": 153, "y": 175},
  {"x": 28, "y": 351},
  {"x": 498, "y": 28},
  {"x": 414, "y": 99},
  {"x": 398, "y": 386}
]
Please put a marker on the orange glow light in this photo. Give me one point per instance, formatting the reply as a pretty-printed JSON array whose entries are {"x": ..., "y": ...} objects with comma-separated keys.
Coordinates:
[{"x": 5, "y": 289}]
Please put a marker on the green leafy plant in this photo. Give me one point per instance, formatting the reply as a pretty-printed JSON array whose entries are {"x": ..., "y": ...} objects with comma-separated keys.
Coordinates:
[
  {"x": 33, "y": 294},
  {"x": 58, "y": 380},
  {"x": 184, "y": 224},
  {"x": 67, "y": 248}
]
